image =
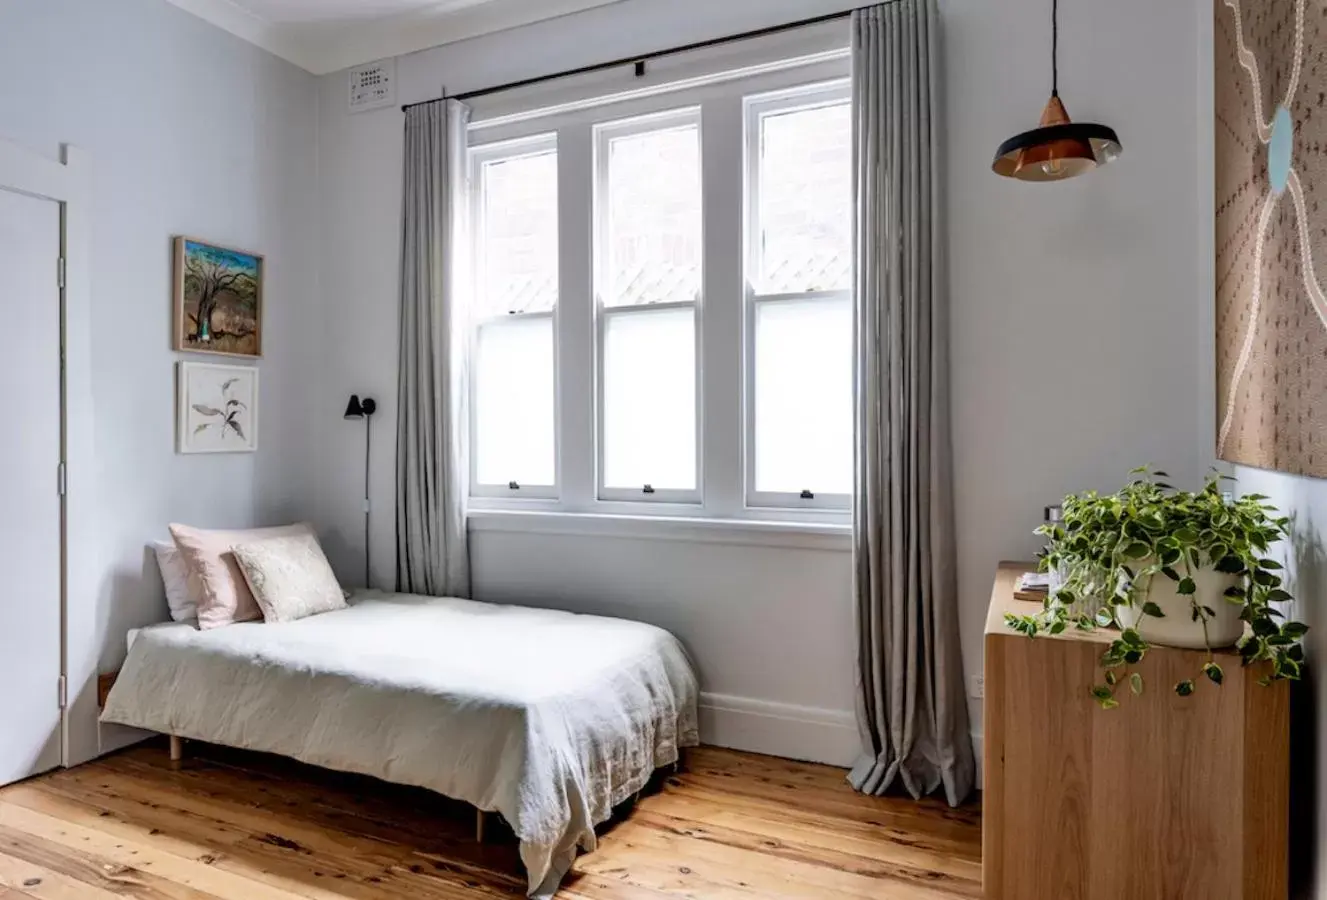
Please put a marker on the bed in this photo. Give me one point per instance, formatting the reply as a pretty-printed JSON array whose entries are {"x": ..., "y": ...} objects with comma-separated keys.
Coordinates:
[{"x": 549, "y": 718}]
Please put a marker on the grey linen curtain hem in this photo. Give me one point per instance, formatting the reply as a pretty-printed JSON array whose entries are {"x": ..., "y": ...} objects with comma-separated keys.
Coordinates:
[
  {"x": 432, "y": 467},
  {"x": 911, "y": 706}
]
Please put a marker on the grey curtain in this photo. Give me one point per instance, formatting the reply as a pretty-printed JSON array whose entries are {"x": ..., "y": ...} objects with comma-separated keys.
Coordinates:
[
  {"x": 911, "y": 707},
  {"x": 432, "y": 469}
]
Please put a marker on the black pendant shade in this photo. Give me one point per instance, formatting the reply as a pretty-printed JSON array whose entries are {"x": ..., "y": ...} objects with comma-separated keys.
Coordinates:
[{"x": 1058, "y": 148}]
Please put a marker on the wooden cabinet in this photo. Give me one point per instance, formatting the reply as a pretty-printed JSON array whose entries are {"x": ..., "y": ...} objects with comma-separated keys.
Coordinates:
[{"x": 1164, "y": 798}]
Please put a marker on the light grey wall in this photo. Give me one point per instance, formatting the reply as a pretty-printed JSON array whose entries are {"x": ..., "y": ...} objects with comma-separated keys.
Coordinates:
[
  {"x": 1076, "y": 354},
  {"x": 1073, "y": 301},
  {"x": 190, "y": 131}
]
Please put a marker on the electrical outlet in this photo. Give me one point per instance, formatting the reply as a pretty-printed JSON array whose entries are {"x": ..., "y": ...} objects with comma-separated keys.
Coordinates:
[{"x": 977, "y": 687}]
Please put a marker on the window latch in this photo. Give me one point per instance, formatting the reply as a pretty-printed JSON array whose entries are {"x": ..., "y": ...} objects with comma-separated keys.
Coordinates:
[
  {"x": 807, "y": 495},
  {"x": 648, "y": 489},
  {"x": 513, "y": 486}
]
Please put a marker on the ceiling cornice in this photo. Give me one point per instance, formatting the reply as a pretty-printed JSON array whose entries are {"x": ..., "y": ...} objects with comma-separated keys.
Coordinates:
[
  {"x": 320, "y": 48},
  {"x": 243, "y": 24}
]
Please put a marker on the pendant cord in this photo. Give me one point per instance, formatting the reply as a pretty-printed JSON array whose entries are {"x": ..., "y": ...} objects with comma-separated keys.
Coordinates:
[{"x": 1055, "y": 48}]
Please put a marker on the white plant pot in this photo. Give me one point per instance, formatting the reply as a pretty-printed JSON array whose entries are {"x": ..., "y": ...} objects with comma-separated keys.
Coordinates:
[{"x": 1177, "y": 628}]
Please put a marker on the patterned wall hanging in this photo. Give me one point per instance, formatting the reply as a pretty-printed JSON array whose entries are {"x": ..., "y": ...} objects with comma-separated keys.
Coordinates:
[{"x": 1271, "y": 170}]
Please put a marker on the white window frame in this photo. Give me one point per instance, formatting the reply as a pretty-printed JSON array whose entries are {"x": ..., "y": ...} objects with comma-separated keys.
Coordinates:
[
  {"x": 604, "y": 134},
  {"x": 479, "y": 156},
  {"x": 755, "y": 108},
  {"x": 721, "y": 327}
]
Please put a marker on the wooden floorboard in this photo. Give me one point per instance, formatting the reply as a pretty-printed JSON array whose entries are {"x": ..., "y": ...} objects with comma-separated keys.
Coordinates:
[{"x": 243, "y": 826}]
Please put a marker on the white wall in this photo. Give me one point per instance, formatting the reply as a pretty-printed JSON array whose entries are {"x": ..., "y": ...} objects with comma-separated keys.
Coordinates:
[
  {"x": 1075, "y": 300},
  {"x": 193, "y": 131},
  {"x": 1076, "y": 351}
]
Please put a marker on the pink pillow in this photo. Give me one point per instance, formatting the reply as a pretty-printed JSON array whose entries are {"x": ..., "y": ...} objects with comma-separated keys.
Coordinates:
[{"x": 224, "y": 596}]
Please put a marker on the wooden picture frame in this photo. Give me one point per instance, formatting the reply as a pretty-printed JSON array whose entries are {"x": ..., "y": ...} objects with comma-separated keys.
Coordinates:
[
  {"x": 216, "y": 408},
  {"x": 229, "y": 283}
]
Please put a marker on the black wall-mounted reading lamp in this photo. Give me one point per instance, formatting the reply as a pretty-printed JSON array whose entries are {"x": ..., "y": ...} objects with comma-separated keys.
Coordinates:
[{"x": 364, "y": 409}]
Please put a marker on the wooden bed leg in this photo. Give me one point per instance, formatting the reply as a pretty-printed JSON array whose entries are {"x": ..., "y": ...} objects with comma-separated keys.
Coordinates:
[
  {"x": 176, "y": 751},
  {"x": 479, "y": 826}
]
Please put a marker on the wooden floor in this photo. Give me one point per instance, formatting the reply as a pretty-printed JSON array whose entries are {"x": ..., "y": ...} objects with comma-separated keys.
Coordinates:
[{"x": 250, "y": 827}]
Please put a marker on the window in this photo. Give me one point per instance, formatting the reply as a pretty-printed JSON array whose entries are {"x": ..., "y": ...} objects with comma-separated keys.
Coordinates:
[
  {"x": 516, "y": 244},
  {"x": 662, "y": 317},
  {"x": 647, "y": 283},
  {"x": 799, "y": 302}
]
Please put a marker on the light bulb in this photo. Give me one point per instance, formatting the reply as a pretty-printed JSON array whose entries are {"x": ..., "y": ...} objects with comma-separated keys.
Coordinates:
[{"x": 1053, "y": 168}]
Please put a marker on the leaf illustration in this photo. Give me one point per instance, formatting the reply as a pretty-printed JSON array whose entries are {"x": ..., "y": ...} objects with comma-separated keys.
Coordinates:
[
  {"x": 225, "y": 385},
  {"x": 230, "y": 403},
  {"x": 206, "y": 410},
  {"x": 236, "y": 425},
  {"x": 202, "y": 427}
]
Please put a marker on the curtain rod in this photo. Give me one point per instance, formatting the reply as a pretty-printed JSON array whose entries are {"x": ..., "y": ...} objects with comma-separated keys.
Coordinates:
[{"x": 639, "y": 60}]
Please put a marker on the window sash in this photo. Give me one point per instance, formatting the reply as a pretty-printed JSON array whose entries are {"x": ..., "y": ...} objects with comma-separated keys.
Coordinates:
[
  {"x": 604, "y": 134},
  {"x": 756, "y": 108},
  {"x": 479, "y": 156},
  {"x": 821, "y": 500},
  {"x": 638, "y": 494}
]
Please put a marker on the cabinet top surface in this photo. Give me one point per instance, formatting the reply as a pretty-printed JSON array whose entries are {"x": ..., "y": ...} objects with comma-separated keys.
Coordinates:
[{"x": 1002, "y": 601}]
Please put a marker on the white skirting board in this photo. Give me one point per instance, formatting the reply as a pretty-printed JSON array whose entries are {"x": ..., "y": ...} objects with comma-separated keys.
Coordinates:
[{"x": 804, "y": 733}]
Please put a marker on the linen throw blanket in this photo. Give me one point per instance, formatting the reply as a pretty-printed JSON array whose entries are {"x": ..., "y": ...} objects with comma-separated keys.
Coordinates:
[{"x": 549, "y": 718}]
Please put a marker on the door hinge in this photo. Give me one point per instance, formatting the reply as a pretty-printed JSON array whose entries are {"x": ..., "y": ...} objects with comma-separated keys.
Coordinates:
[
  {"x": 63, "y": 688},
  {"x": 62, "y": 479},
  {"x": 60, "y": 271}
]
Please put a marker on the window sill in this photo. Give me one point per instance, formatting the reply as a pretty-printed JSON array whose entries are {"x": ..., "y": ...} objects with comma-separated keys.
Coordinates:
[{"x": 836, "y": 538}]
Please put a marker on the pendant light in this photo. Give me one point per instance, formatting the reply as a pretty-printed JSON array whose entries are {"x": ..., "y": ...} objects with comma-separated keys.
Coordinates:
[{"x": 1057, "y": 148}]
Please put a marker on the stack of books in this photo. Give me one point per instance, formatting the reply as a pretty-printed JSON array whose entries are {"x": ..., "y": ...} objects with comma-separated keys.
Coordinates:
[{"x": 1033, "y": 586}]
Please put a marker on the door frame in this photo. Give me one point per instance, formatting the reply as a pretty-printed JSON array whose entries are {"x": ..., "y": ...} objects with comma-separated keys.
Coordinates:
[{"x": 67, "y": 182}]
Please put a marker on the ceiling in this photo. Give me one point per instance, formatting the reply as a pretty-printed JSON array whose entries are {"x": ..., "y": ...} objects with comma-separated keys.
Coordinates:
[{"x": 328, "y": 35}]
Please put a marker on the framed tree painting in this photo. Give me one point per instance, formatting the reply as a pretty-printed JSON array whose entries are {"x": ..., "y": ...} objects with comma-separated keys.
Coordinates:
[
  {"x": 218, "y": 299},
  {"x": 217, "y": 408}
]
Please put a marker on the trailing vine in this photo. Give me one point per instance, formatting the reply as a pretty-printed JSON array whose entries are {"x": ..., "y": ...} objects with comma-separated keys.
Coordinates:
[{"x": 1110, "y": 546}]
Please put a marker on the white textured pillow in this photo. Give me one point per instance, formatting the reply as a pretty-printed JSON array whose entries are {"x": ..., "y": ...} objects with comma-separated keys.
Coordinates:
[
  {"x": 290, "y": 577},
  {"x": 181, "y": 592}
]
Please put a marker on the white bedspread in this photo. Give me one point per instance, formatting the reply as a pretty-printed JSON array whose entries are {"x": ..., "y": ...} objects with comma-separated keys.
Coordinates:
[{"x": 549, "y": 718}]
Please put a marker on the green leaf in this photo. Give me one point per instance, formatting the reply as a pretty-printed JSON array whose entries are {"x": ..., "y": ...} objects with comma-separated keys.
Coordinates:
[
  {"x": 1269, "y": 564},
  {"x": 1184, "y": 688},
  {"x": 1277, "y": 595},
  {"x": 1151, "y": 609},
  {"x": 1132, "y": 638},
  {"x": 1231, "y": 565},
  {"x": 1111, "y": 678},
  {"x": 1102, "y": 691},
  {"x": 1295, "y": 630},
  {"x": 1214, "y": 673},
  {"x": 1111, "y": 703},
  {"x": 1137, "y": 550},
  {"x": 1235, "y": 592},
  {"x": 1136, "y": 683},
  {"x": 1186, "y": 587},
  {"x": 1264, "y": 625},
  {"x": 1170, "y": 573},
  {"x": 1186, "y": 535},
  {"x": 1265, "y": 578}
]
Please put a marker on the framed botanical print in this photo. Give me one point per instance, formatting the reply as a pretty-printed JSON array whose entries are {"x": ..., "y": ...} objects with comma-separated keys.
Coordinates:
[
  {"x": 218, "y": 299},
  {"x": 217, "y": 408}
]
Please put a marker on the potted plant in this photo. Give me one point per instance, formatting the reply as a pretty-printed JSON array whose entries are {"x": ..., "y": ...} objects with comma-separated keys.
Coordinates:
[{"x": 1173, "y": 568}]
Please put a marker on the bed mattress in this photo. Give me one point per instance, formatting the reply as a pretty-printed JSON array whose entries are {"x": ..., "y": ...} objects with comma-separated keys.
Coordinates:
[{"x": 549, "y": 718}]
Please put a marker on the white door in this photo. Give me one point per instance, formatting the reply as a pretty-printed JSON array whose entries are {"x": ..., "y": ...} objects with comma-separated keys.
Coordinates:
[{"x": 29, "y": 497}]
